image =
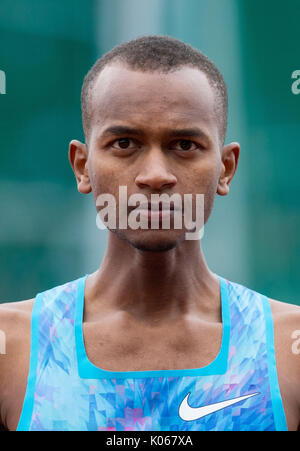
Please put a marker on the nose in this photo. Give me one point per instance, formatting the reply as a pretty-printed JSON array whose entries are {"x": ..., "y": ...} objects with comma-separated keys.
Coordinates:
[{"x": 155, "y": 173}]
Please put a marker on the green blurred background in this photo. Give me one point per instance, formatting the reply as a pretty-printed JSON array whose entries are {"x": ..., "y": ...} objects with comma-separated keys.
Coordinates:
[{"x": 48, "y": 232}]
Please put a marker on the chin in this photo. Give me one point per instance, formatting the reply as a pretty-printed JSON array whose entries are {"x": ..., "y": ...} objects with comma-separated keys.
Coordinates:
[
  {"x": 158, "y": 241},
  {"x": 151, "y": 247}
]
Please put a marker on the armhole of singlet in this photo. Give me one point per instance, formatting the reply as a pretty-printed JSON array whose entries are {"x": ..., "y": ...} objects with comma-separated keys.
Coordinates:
[
  {"x": 279, "y": 414},
  {"x": 28, "y": 403}
]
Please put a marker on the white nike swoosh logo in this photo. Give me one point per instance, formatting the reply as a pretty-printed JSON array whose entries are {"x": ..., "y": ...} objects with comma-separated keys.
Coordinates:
[{"x": 188, "y": 413}]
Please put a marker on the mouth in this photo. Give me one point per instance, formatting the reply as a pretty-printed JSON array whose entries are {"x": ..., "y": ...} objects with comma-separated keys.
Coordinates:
[
  {"x": 157, "y": 214},
  {"x": 155, "y": 207}
]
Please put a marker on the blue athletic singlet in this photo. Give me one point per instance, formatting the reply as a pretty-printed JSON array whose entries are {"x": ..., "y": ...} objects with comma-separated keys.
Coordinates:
[{"x": 237, "y": 391}]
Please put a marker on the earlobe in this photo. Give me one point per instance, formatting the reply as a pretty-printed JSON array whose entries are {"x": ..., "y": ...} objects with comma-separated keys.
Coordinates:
[
  {"x": 78, "y": 156},
  {"x": 84, "y": 186},
  {"x": 223, "y": 186}
]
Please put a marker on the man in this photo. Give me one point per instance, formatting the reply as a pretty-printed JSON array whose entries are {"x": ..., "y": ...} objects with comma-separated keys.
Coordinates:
[{"x": 153, "y": 340}]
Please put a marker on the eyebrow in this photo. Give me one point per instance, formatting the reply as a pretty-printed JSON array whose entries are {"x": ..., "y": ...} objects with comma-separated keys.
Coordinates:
[
  {"x": 189, "y": 132},
  {"x": 118, "y": 130}
]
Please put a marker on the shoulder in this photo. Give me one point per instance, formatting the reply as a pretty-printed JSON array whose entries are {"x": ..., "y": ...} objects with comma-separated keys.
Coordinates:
[
  {"x": 15, "y": 317},
  {"x": 286, "y": 322},
  {"x": 15, "y": 320},
  {"x": 15, "y": 336},
  {"x": 286, "y": 318},
  {"x": 281, "y": 307},
  {"x": 14, "y": 312},
  {"x": 24, "y": 306}
]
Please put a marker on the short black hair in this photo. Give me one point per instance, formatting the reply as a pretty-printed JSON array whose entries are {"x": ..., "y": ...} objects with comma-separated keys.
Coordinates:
[{"x": 162, "y": 54}]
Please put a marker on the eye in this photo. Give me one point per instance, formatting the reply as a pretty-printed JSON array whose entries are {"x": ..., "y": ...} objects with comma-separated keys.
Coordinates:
[
  {"x": 185, "y": 145},
  {"x": 123, "y": 144}
]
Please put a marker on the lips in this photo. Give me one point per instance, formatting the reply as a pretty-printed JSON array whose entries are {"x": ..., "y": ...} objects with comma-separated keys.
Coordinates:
[
  {"x": 155, "y": 211},
  {"x": 158, "y": 214},
  {"x": 152, "y": 207}
]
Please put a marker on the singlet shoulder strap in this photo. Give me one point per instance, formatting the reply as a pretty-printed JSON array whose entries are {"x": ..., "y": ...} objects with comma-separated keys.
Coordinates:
[
  {"x": 252, "y": 338},
  {"x": 26, "y": 414},
  {"x": 53, "y": 314},
  {"x": 279, "y": 414}
]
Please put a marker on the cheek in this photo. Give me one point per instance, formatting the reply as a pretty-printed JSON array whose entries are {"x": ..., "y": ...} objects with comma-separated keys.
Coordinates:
[
  {"x": 104, "y": 177},
  {"x": 204, "y": 180},
  {"x": 210, "y": 194}
]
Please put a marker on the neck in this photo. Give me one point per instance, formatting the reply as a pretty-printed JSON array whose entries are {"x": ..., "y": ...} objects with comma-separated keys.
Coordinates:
[{"x": 155, "y": 285}]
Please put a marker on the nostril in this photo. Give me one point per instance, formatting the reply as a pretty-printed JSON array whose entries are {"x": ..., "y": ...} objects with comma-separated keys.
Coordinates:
[{"x": 156, "y": 181}]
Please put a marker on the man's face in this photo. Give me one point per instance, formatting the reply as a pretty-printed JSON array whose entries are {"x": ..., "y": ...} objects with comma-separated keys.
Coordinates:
[{"x": 154, "y": 133}]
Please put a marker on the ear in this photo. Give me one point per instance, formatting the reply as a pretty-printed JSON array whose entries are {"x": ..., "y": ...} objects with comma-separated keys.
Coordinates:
[
  {"x": 230, "y": 157},
  {"x": 78, "y": 156}
]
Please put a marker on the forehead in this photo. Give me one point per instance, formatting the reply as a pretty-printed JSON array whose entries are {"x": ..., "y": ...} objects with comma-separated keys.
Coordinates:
[{"x": 176, "y": 98}]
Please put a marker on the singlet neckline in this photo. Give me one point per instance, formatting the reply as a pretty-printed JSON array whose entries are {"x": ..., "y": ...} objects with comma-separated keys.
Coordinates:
[{"x": 88, "y": 370}]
